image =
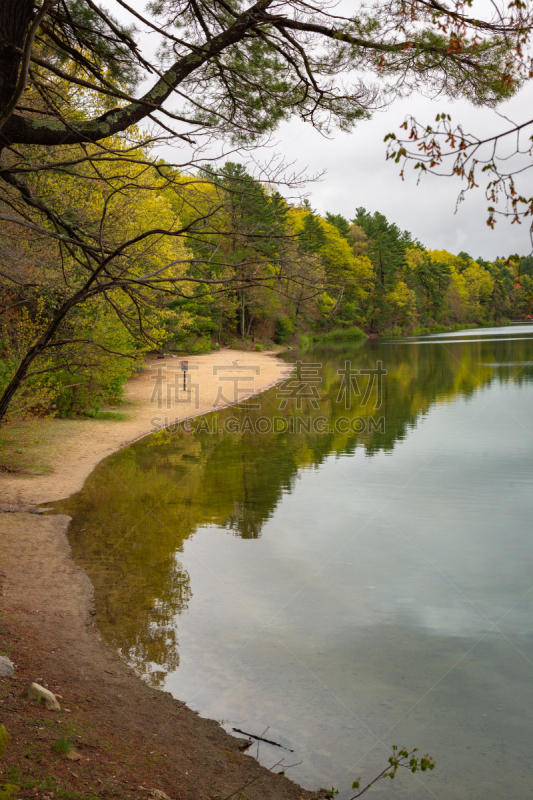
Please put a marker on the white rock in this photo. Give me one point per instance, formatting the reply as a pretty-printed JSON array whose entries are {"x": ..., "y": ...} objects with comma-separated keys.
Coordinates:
[
  {"x": 158, "y": 794},
  {"x": 7, "y": 668},
  {"x": 39, "y": 693}
]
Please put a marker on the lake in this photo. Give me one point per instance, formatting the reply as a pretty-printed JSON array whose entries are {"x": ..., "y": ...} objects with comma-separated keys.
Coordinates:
[{"x": 345, "y": 567}]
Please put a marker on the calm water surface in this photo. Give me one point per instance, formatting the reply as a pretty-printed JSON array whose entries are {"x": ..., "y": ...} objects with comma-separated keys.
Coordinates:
[{"x": 348, "y": 585}]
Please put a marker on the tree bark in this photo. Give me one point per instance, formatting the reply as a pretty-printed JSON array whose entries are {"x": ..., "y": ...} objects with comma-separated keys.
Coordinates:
[{"x": 15, "y": 19}]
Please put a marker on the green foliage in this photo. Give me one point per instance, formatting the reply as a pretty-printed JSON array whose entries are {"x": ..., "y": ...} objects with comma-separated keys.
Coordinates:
[
  {"x": 117, "y": 415},
  {"x": 93, "y": 203},
  {"x": 101, "y": 378},
  {"x": 340, "y": 222},
  {"x": 82, "y": 29},
  {"x": 388, "y": 244},
  {"x": 76, "y": 350},
  {"x": 63, "y": 746},
  {"x": 400, "y": 759},
  {"x": 292, "y": 272},
  {"x": 7, "y": 790},
  {"x": 5, "y": 738},
  {"x": 369, "y": 274},
  {"x": 283, "y": 329},
  {"x": 340, "y": 335},
  {"x": 312, "y": 237},
  {"x": 191, "y": 343}
]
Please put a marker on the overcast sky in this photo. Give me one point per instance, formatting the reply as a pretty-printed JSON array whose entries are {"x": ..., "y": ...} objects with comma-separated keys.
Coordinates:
[{"x": 357, "y": 173}]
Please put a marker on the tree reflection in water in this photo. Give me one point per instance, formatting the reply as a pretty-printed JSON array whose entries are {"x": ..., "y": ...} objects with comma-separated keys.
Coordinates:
[{"x": 139, "y": 506}]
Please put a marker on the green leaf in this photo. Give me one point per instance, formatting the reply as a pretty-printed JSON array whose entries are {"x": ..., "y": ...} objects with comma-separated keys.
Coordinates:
[
  {"x": 355, "y": 785},
  {"x": 8, "y": 790},
  {"x": 5, "y": 738}
]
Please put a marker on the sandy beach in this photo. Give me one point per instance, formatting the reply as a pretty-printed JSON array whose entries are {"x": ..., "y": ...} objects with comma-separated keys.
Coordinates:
[
  {"x": 130, "y": 739},
  {"x": 73, "y": 447}
]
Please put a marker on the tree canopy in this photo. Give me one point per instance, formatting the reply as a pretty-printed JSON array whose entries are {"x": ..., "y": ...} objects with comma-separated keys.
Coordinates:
[{"x": 237, "y": 69}]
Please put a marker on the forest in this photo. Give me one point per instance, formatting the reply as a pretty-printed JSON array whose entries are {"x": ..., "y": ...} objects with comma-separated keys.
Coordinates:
[
  {"x": 294, "y": 277},
  {"x": 109, "y": 251}
]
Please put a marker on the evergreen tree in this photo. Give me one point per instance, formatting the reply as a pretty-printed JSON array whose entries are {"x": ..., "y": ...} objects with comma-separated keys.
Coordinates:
[
  {"x": 340, "y": 222},
  {"x": 387, "y": 244},
  {"x": 431, "y": 279}
]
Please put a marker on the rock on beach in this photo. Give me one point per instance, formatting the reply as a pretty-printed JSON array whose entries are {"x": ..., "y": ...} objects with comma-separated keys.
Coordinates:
[
  {"x": 39, "y": 693},
  {"x": 7, "y": 668}
]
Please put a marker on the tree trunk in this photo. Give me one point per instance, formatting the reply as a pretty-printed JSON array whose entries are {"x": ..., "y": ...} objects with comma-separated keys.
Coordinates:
[
  {"x": 38, "y": 348},
  {"x": 15, "y": 19},
  {"x": 18, "y": 378}
]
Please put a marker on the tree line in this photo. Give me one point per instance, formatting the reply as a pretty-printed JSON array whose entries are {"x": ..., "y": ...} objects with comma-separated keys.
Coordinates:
[{"x": 255, "y": 269}]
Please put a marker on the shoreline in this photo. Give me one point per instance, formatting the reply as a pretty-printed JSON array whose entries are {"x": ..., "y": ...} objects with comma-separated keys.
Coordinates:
[
  {"x": 80, "y": 444},
  {"x": 130, "y": 738}
]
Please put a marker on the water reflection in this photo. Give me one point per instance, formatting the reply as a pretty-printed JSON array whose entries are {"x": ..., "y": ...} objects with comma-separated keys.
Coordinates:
[{"x": 380, "y": 591}]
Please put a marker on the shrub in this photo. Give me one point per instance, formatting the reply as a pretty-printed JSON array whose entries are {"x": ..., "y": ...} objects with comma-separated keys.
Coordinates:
[
  {"x": 343, "y": 334},
  {"x": 304, "y": 343},
  {"x": 283, "y": 329},
  {"x": 63, "y": 746}
]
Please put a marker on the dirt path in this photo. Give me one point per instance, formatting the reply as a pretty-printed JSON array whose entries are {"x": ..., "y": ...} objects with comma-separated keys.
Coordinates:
[{"x": 130, "y": 738}]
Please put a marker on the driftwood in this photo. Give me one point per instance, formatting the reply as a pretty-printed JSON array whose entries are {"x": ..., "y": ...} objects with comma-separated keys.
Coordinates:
[{"x": 260, "y": 739}]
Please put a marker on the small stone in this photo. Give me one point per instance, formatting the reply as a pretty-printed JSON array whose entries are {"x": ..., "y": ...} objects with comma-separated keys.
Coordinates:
[
  {"x": 39, "y": 693},
  {"x": 73, "y": 756},
  {"x": 7, "y": 668},
  {"x": 159, "y": 795}
]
